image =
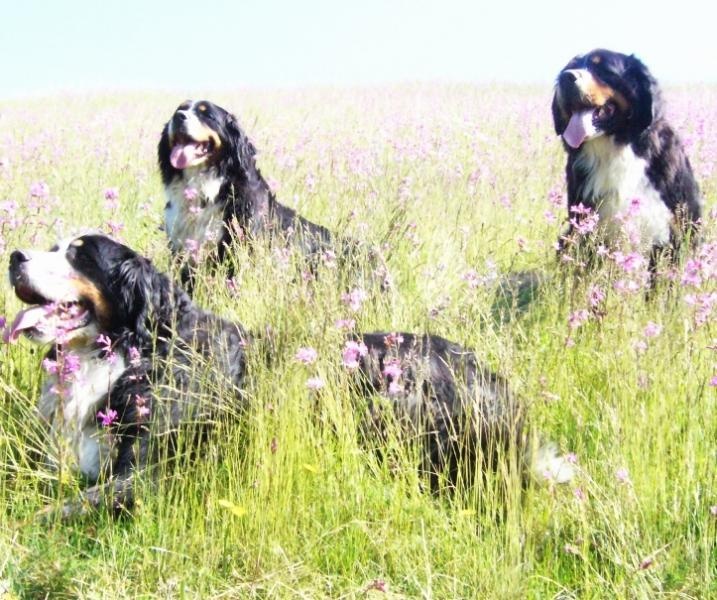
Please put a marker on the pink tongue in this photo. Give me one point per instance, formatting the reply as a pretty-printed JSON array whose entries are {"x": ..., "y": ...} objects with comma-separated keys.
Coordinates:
[
  {"x": 26, "y": 319},
  {"x": 181, "y": 156},
  {"x": 580, "y": 127}
]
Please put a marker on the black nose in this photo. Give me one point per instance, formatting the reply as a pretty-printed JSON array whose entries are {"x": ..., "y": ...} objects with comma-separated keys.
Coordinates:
[
  {"x": 180, "y": 116},
  {"x": 567, "y": 77},
  {"x": 17, "y": 258}
]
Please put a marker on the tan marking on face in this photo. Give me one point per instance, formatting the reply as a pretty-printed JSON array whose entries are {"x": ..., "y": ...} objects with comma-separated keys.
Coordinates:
[
  {"x": 87, "y": 291},
  {"x": 207, "y": 134},
  {"x": 597, "y": 59},
  {"x": 598, "y": 94},
  {"x": 77, "y": 243}
]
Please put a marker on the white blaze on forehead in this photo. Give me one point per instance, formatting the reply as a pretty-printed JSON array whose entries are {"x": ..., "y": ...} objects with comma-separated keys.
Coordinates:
[
  {"x": 584, "y": 79},
  {"x": 192, "y": 126},
  {"x": 51, "y": 274}
]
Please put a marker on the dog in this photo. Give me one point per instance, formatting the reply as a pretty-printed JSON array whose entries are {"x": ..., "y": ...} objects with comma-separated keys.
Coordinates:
[
  {"x": 624, "y": 160},
  {"x": 127, "y": 348},
  {"x": 216, "y": 194}
]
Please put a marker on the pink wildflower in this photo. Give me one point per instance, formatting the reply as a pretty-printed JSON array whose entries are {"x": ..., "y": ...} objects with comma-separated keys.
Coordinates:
[
  {"x": 115, "y": 227},
  {"x": 346, "y": 324},
  {"x": 577, "y": 318},
  {"x": 629, "y": 262},
  {"x": 142, "y": 408},
  {"x": 652, "y": 329},
  {"x": 135, "y": 359},
  {"x": 691, "y": 275},
  {"x": 352, "y": 352},
  {"x": 354, "y": 299},
  {"x": 585, "y": 220},
  {"x": 595, "y": 296},
  {"x": 392, "y": 369},
  {"x": 106, "y": 343},
  {"x": 39, "y": 189},
  {"x": 393, "y": 340},
  {"x": 306, "y": 356},
  {"x": 107, "y": 418},
  {"x": 192, "y": 246},
  {"x": 314, "y": 383},
  {"x": 190, "y": 194},
  {"x": 640, "y": 346},
  {"x": 111, "y": 193},
  {"x": 394, "y": 388},
  {"x": 646, "y": 563},
  {"x": 622, "y": 475},
  {"x": 379, "y": 585},
  {"x": 49, "y": 366}
]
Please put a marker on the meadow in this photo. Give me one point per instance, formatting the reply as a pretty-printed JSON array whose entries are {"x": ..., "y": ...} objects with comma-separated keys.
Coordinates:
[{"x": 460, "y": 186}]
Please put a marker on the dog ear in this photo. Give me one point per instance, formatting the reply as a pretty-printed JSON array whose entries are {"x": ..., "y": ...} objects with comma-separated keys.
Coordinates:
[
  {"x": 644, "y": 96},
  {"x": 560, "y": 121},
  {"x": 241, "y": 151},
  {"x": 143, "y": 298},
  {"x": 163, "y": 153}
]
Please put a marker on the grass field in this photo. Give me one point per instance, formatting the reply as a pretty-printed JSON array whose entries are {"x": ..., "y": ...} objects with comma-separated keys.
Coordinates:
[{"x": 461, "y": 185}]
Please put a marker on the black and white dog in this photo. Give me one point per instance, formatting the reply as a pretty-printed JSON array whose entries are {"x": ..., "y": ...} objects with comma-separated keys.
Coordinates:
[
  {"x": 216, "y": 194},
  {"x": 624, "y": 158},
  {"x": 118, "y": 330},
  {"x": 128, "y": 350}
]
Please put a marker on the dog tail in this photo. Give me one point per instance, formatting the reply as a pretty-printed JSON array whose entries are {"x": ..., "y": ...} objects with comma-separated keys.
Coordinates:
[{"x": 546, "y": 465}]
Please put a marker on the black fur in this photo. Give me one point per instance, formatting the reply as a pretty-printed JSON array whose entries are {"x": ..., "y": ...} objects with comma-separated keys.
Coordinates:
[
  {"x": 250, "y": 209},
  {"x": 637, "y": 120},
  {"x": 464, "y": 415}
]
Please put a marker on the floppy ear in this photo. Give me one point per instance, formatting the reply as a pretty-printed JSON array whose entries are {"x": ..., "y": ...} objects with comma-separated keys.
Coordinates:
[
  {"x": 163, "y": 152},
  {"x": 644, "y": 95},
  {"x": 560, "y": 121},
  {"x": 143, "y": 298},
  {"x": 241, "y": 151}
]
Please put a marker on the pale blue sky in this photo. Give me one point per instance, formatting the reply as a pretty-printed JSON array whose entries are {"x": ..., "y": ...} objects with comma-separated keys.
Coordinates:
[{"x": 72, "y": 45}]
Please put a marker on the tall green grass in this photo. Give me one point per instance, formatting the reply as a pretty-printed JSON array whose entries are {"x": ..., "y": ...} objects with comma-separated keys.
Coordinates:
[{"x": 290, "y": 500}]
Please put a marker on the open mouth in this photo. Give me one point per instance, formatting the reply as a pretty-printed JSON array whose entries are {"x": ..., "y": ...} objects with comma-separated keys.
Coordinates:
[
  {"x": 46, "y": 318},
  {"x": 188, "y": 152},
  {"x": 582, "y": 124}
]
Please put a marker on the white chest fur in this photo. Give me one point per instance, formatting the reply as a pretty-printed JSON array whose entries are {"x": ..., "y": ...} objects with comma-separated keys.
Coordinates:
[
  {"x": 71, "y": 410},
  {"x": 615, "y": 177},
  {"x": 199, "y": 219}
]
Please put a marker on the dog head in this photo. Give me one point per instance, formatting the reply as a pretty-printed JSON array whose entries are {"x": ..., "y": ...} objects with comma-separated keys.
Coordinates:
[
  {"x": 201, "y": 134},
  {"x": 83, "y": 287},
  {"x": 604, "y": 93}
]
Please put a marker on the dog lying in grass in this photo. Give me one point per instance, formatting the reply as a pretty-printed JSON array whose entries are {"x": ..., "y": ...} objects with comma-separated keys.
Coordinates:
[{"x": 128, "y": 349}]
